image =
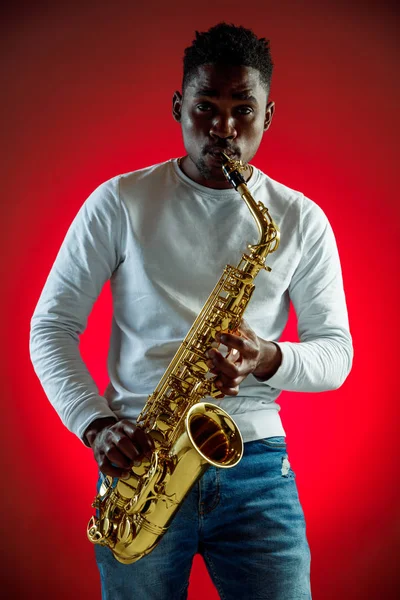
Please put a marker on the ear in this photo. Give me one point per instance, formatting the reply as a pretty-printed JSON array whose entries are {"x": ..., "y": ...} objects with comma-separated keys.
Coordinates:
[
  {"x": 177, "y": 106},
  {"x": 269, "y": 113}
]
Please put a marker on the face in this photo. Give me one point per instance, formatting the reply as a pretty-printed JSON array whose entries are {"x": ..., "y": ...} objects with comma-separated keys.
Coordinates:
[{"x": 222, "y": 108}]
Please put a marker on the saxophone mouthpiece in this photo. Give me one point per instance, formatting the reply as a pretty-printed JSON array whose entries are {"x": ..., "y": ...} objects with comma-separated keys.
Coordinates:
[
  {"x": 226, "y": 157},
  {"x": 231, "y": 169}
]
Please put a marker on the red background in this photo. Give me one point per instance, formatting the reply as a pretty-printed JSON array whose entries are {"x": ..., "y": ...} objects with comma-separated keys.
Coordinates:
[{"x": 86, "y": 95}]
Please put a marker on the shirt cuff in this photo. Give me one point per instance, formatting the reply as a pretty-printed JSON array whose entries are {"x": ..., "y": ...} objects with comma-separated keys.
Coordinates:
[
  {"x": 284, "y": 375},
  {"x": 86, "y": 414}
]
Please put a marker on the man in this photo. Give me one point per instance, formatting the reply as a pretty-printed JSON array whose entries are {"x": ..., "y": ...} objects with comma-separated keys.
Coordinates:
[{"x": 163, "y": 236}]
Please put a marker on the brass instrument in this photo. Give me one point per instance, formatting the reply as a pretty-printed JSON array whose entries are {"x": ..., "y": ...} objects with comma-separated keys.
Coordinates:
[{"x": 189, "y": 435}]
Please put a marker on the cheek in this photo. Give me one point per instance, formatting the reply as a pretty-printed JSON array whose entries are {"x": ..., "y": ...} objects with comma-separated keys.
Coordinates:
[
  {"x": 251, "y": 142},
  {"x": 195, "y": 122},
  {"x": 255, "y": 133},
  {"x": 188, "y": 120},
  {"x": 192, "y": 131}
]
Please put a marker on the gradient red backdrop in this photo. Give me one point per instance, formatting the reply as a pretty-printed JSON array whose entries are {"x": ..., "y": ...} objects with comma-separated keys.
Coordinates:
[{"x": 86, "y": 95}]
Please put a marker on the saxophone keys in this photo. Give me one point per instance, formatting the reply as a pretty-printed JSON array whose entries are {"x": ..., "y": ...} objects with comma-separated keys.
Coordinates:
[
  {"x": 139, "y": 470},
  {"x": 127, "y": 487},
  {"x": 106, "y": 526},
  {"x": 215, "y": 392},
  {"x": 126, "y": 531}
]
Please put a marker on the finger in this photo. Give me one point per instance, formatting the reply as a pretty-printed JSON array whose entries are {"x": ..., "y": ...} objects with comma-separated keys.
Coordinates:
[
  {"x": 212, "y": 367},
  {"x": 230, "y": 391},
  {"x": 228, "y": 382},
  {"x": 234, "y": 355},
  {"x": 126, "y": 447},
  {"x": 118, "y": 459},
  {"x": 108, "y": 468},
  {"x": 228, "y": 385},
  {"x": 238, "y": 342},
  {"x": 141, "y": 440},
  {"x": 224, "y": 365},
  {"x": 246, "y": 330},
  {"x": 227, "y": 389}
]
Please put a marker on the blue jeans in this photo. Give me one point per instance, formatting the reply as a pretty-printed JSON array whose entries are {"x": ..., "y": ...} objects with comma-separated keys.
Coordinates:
[{"x": 246, "y": 522}]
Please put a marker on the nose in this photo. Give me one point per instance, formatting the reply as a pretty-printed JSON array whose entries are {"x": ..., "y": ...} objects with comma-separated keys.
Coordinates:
[{"x": 223, "y": 127}]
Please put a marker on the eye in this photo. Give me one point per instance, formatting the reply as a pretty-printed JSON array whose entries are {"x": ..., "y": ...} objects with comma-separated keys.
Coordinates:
[
  {"x": 244, "y": 110},
  {"x": 203, "y": 107}
]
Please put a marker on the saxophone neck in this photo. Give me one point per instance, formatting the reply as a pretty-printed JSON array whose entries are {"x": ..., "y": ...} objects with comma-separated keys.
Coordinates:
[{"x": 267, "y": 228}]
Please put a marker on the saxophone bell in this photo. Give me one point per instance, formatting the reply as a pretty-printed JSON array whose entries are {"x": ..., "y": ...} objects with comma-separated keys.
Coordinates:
[{"x": 214, "y": 435}]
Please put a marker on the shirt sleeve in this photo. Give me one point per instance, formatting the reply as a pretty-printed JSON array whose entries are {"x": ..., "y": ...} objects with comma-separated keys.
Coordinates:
[
  {"x": 322, "y": 359},
  {"x": 89, "y": 254}
]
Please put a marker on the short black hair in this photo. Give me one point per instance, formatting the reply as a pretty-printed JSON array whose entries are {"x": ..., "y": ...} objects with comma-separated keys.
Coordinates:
[{"x": 228, "y": 44}]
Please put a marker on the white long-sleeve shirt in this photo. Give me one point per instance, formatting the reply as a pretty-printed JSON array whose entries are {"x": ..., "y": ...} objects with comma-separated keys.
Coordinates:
[{"x": 163, "y": 241}]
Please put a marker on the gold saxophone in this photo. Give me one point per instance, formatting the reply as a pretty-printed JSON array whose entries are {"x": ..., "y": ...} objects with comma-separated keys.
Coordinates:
[{"x": 189, "y": 436}]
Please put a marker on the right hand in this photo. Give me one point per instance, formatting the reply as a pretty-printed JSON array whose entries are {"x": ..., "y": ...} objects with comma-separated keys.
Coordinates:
[{"x": 118, "y": 445}]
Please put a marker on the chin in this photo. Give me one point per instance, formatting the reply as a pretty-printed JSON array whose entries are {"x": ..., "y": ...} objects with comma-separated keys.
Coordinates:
[{"x": 210, "y": 172}]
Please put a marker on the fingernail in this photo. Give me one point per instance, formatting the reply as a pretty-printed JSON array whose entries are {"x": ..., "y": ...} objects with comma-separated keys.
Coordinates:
[
  {"x": 223, "y": 338},
  {"x": 210, "y": 353},
  {"x": 125, "y": 476}
]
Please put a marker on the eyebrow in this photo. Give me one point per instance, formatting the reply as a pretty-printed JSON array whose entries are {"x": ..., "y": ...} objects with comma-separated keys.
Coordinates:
[{"x": 243, "y": 95}]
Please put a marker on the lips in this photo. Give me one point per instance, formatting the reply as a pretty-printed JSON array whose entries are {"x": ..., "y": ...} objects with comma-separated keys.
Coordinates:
[
  {"x": 217, "y": 153},
  {"x": 215, "y": 159}
]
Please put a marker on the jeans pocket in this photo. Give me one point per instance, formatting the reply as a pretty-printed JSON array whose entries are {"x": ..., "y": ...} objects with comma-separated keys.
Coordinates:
[{"x": 276, "y": 442}]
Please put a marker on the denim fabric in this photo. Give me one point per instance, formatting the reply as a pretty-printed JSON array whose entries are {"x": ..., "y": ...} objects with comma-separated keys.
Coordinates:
[{"x": 246, "y": 522}]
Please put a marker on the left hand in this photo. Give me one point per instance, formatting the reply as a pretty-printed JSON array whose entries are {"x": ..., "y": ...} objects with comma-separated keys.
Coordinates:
[{"x": 248, "y": 354}]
